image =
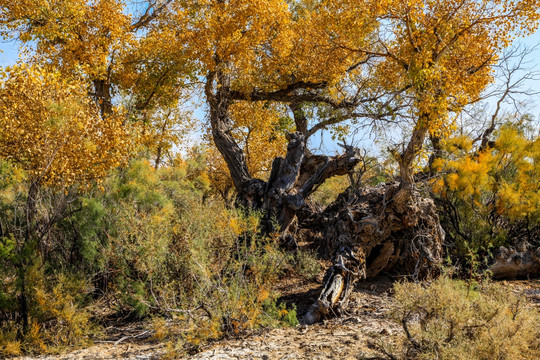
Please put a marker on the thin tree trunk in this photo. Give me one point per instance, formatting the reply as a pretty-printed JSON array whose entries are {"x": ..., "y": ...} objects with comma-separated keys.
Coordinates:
[
  {"x": 31, "y": 209},
  {"x": 102, "y": 94}
]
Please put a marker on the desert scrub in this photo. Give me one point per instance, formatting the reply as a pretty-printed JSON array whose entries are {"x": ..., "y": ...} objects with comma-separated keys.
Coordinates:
[
  {"x": 235, "y": 295},
  {"x": 153, "y": 243},
  {"x": 232, "y": 292},
  {"x": 451, "y": 319},
  {"x": 304, "y": 262},
  {"x": 489, "y": 197},
  {"x": 58, "y": 316}
]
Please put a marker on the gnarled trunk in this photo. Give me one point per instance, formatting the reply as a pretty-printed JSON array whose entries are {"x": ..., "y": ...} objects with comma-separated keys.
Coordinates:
[
  {"x": 388, "y": 228},
  {"x": 292, "y": 178},
  {"x": 384, "y": 233}
]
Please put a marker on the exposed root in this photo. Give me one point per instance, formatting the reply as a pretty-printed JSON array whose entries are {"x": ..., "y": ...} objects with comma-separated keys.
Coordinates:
[
  {"x": 516, "y": 262},
  {"x": 394, "y": 233},
  {"x": 337, "y": 285}
]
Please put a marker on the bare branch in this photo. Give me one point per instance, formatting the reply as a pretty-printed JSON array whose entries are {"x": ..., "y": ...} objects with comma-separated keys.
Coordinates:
[{"x": 151, "y": 12}]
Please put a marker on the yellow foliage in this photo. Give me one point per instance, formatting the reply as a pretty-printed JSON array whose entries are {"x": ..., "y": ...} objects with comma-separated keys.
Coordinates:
[
  {"x": 34, "y": 337},
  {"x": 160, "y": 328},
  {"x": 438, "y": 186},
  {"x": 11, "y": 348},
  {"x": 69, "y": 325},
  {"x": 441, "y": 52},
  {"x": 78, "y": 36},
  {"x": 263, "y": 295},
  {"x": 259, "y": 131},
  {"x": 509, "y": 171},
  {"x": 54, "y": 132}
]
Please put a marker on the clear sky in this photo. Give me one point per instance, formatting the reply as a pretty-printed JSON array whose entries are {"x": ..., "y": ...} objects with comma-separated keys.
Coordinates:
[{"x": 9, "y": 52}]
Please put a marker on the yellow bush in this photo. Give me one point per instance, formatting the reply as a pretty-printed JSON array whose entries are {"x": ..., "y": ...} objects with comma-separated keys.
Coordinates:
[{"x": 450, "y": 319}]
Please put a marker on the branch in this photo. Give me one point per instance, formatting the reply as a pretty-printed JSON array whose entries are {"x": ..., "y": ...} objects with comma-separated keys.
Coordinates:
[
  {"x": 300, "y": 119},
  {"x": 286, "y": 94},
  {"x": 337, "y": 165},
  {"x": 147, "y": 16}
]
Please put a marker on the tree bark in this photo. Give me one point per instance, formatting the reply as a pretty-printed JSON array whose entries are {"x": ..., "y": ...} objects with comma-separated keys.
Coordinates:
[
  {"x": 516, "y": 262},
  {"x": 102, "y": 94},
  {"x": 390, "y": 228},
  {"x": 292, "y": 178},
  {"x": 386, "y": 236}
]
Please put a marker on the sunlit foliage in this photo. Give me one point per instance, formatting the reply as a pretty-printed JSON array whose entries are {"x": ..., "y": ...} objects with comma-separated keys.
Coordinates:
[
  {"x": 98, "y": 201},
  {"x": 490, "y": 197},
  {"x": 52, "y": 130},
  {"x": 260, "y": 129}
]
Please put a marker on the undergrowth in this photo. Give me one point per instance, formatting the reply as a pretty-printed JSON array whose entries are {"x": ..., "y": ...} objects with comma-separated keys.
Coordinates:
[
  {"x": 153, "y": 243},
  {"x": 454, "y": 319}
]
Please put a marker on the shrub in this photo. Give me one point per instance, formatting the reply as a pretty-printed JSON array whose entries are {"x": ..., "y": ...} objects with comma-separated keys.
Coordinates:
[
  {"x": 489, "y": 197},
  {"x": 156, "y": 244},
  {"x": 450, "y": 319},
  {"x": 168, "y": 248},
  {"x": 58, "y": 315},
  {"x": 305, "y": 263}
]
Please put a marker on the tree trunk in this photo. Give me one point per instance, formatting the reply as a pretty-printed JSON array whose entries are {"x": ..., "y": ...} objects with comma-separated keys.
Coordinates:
[
  {"x": 388, "y": 228},
  {"x": 102, "y": 94},
  {"x": 292, "y": 178},
  {"x": 515, "y": 262},
  {"x": 24, "y": 259}
]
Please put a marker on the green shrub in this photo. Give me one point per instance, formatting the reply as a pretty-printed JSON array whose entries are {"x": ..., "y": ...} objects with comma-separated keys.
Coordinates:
[
  {"x": 489, "y": 197},
  {"x": 58, "y": 315},
  {"x": 155, "y": 243},
  {"x": 305, "y": 263}
]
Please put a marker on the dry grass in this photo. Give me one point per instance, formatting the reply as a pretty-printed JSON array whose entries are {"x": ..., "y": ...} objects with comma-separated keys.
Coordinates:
[{"x": 451, "y": 319}]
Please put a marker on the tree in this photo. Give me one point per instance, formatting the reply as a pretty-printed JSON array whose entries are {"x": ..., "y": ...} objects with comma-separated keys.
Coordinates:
[
  {"x": 427, "y": 60},
  {"x": 259, "y": 128},
  {"x": 77, "y": 37},
  {"x": 411, "y": 63},
  {"x": 53, "y": 132},
  {"x": 100, "y": 43},
  {"x": 442, "y": 54}
]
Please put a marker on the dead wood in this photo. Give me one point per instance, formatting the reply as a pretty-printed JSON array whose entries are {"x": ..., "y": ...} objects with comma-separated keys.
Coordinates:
[
  {"x": 401, "y": 238},
  {"x": 338, "y": 284},
  {"x": 388, "y": 234},
  {"x": 514, "y": 262}
]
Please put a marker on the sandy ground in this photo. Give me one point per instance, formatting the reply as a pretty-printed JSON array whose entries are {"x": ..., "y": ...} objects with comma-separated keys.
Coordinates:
[{"x": 348, "y": 337}]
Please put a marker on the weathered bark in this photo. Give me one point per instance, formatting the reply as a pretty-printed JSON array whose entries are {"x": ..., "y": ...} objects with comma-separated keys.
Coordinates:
[
  {"x": 522, "y": 261},
  {"x": 219, "y": 101},
  {"x": 389, "y": 236},
  {"x": 338, "y": 284},
  {"x": 407, "y": 157},
  {"x": 405, "y": 240},
  {"x": 281, "y": 200},
  {"x": 292, "y": 179},
  {"x": 102, "y": 94},
  {"x": 390, "y": 228}
]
